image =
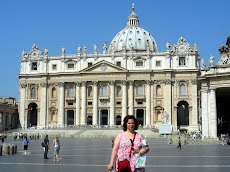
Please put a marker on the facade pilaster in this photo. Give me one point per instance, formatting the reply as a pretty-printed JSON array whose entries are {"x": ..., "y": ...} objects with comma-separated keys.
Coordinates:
[
  {"x": 213, "y": 113},
  {"x": 131, "y": 97},
  {"x": 77, "y": 119},
  {"x": 168, "y": 97},
  {"x": 95, "y": 102},
  {"x": 61, "y": 105},
  {"x": 148, "y": 102},
  {"x": 83, "y": 103},
  {"x": 112, "y": 102},
  {"x": 204, "y": 108},
  {"x": 22, "y": 113},
  {"x": 43, "y": 105},
  {"x": 124, "y": 100}
]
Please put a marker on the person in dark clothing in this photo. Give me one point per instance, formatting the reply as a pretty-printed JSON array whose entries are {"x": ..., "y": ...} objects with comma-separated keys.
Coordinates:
[
  {"x": 179, "y": 143},
  {"x": 46, "y": 143}
]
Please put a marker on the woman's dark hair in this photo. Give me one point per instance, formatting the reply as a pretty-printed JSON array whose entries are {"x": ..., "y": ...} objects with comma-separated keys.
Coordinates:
[{"x": 126, "y": 120}]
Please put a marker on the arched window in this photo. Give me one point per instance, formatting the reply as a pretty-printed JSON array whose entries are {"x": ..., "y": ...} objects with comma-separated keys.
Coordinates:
[
  {"x": 33, "y": 92},
  {"x": 53, "y": 92},
  {"x": 182, "y": 90},
  {"x": 104, "y": 90},
  {"x": 158, "y": 90},
  {"x": 118, "y": 91},
  {"x": 90, "y": 91},
  {"x": 139, "y": 63},
  {"x": 70, "y": 91},
  {"x": 140, "y": 90}
]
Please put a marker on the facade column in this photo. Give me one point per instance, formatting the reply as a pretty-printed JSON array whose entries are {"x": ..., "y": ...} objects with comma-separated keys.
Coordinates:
[
  {"x": 135, "y": 113},
  {"x": 204, "y": 109},
  {"x": 95, "y": 102},
  {"x": 213, "y": 113},
  {"x": 124, "y": 100},
  {"x": 22, "y": 113},
  {"x": 43, "y": 106},
  {"x": 83, "y": 103},
  {"x": 108, "y": 121},
  {"x": 61, "y": 105},
  {"x": 77, "y": 119},
  {"x": 74, "y": 122},
  {"x": 112, "y": 102},
  {"x": 148, "y": 103},
  {"x": 168, "y": 99},
  {"x": 99, "y": 120},
  {"x": 131, "y": 97},
  {"x": 194, "y": 117}
]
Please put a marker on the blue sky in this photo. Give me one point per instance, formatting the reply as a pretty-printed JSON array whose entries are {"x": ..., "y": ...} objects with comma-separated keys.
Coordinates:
[{"x": 55, "y": 23}]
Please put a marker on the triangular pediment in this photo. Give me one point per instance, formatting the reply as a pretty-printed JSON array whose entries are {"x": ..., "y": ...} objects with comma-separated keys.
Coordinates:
[{"x": 103, "y": 67}]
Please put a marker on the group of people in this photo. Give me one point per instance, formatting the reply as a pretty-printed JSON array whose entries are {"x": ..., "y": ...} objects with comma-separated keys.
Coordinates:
[{"x": 55, "y": 147}]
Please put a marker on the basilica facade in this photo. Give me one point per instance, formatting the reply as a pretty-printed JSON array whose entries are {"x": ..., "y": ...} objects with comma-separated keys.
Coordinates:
[{"x": 129, "y": 77}]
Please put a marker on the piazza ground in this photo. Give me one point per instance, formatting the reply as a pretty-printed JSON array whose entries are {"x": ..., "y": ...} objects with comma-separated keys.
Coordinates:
[{"x": 93, "y": 155}]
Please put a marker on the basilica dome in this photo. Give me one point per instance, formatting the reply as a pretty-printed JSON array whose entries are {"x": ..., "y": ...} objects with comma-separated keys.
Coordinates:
[{"x": 133, "y": 37}]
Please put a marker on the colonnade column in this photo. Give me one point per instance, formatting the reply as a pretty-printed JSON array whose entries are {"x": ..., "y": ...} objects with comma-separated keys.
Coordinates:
[
  {"x": 204, "y": 108},
  {"x": 95, "y": 103},
  {"x": 43, "y": 106},
  {"x": 194, "y": 105},
  {"x": 131, "y": 97},
  {"x": 83, "y": 103},
  {"x": 61, "y": 105},
  {"x": 77, "y": 119},
  {"x": 22, "y": 105},
  {"x": 112, "y": 102},
  {"x": 148, "y": 102},
  {"x": 124, "y": 100},
  {"x": 213, "y": 113}
]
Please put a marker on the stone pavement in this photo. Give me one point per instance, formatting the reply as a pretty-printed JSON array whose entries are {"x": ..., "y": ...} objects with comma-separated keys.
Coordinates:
[{"x": 93, "y": 155}]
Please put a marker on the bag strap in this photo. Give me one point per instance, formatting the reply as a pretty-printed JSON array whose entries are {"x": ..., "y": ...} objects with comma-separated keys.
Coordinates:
[{"x": 132, "y": 148}]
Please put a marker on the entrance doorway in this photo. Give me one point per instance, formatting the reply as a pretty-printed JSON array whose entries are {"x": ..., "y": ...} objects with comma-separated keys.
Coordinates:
[
  {"x": 140, "y": 116},
  {"x": 182, "y": 113},
  {"x": 104, "y": 117},
  {"x": 70, "y": 117},
  {"x": 32, "y": 117},
  {"x": 89, "y": 120},
  {"x": 223, "y": 113}
]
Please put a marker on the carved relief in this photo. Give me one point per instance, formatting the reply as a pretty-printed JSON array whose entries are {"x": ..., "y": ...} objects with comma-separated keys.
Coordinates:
[
  {"x": 23, "y": 85},
  {"x": 43, "y": 84},
  {"x": 194, "y": 82}
]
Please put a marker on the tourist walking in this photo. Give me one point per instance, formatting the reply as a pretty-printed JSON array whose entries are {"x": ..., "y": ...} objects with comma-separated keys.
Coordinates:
[
  {"x": 26, "y": 144},
  {"x": 112, "y": 141},
  {"x": 56, "y": 148},
  {"x": 179, "y": 143},
  {"x": 127, "y": 144},
  {"x": 46, "y": 148}
]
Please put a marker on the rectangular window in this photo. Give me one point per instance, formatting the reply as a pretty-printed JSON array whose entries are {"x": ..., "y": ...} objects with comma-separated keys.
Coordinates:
[
  {"x": 158, "y": 63},
  {"x": 139, "y": 90},
  {"x": 34, "y": 66},
  {"x": 104, "y": 90},
  {"x": 118, "y": 64},
  {"x": 118, "y": 103},
  {"x": 90, "y": 64},
  {"x": 70, "y": 92},
  {"x": 33, "y": 92},
  {"x": 90, "y": 103},
  {"x": 118, "y": 91},
  {"x": 140, "y": 103},
  {"x": 139, "y": 63},
  {"x": 182, "y": 61},
  {"x": 70, "y": 103},
  {"x": 54, "y": 67},
  {"x": 70, "y": 66}
]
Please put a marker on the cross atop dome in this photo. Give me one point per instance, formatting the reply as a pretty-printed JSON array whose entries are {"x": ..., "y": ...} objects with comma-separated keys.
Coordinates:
[{"x": 133, "y": 18}]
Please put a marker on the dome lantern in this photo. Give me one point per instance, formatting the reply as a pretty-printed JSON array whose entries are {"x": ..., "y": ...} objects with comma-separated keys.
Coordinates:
[{"x": 133, "y": 18}]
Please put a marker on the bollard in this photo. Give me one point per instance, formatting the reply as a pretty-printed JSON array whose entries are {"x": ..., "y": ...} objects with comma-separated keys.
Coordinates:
[
  {"x": 15, "y": 148},
  {"x": 1, "y": 150},
  {"x": 11, "y": 149},
  {"x": 6, "y": 148}
]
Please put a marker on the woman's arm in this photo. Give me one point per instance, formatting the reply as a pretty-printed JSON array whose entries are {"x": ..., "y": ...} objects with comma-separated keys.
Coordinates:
[{"x": 114, "y": 152}]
